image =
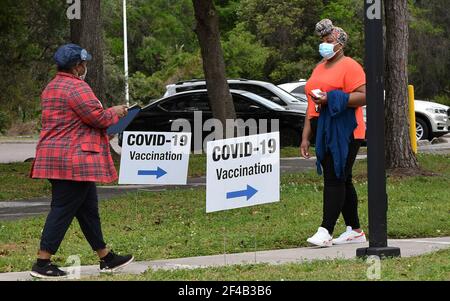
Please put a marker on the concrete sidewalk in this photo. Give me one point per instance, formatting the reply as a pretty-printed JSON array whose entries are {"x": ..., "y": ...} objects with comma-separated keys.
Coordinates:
[{"x": 409, "y": 247}]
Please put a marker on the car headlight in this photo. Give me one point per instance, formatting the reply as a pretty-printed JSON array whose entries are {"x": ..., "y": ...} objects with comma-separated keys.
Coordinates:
[{"x": 433, "y": 110}]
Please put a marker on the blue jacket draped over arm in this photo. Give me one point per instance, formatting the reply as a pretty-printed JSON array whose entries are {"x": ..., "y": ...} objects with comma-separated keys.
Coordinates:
[{"x": 334, "y": 130}]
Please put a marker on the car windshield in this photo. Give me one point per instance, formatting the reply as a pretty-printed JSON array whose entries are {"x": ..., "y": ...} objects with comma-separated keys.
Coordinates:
[
  {"x": 284, "y": 95},
  {"x": 152, "y": 102},
  {"x": 265, "y": 102}
]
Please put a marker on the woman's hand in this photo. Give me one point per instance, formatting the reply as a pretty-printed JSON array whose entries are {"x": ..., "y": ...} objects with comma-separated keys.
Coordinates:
[
  {"x": 304, "y": 149},
  {"x": 322, "y": 100},
  {"x": 121, "y": 110}
]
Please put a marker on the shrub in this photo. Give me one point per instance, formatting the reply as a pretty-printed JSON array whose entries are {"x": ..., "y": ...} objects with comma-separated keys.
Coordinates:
[
  {"x": 443, "y": 99},
  {"x": 23, "y": 128},
  {"x": 4, "y": 121}
]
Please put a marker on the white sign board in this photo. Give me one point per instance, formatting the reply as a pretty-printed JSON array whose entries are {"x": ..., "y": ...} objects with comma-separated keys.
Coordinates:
[
  {"x": 242, "y": 172},
  {"x": 154, "y": 158}
]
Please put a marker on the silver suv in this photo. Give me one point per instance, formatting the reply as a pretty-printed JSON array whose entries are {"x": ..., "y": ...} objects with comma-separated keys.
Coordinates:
[
  {"x": 263, "y": 89},
  {"x": 432, "y": 119}
]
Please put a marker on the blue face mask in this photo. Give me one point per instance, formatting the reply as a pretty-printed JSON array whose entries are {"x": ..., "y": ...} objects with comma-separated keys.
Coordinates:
[{"x": 326, "y": 50}]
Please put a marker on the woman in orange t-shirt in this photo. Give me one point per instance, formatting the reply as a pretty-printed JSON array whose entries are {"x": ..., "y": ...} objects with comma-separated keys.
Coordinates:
[{"x": 336, "y": 72}]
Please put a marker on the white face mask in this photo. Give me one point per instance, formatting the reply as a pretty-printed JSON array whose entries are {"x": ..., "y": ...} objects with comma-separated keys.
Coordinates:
[{"x": 327, "y": 50}]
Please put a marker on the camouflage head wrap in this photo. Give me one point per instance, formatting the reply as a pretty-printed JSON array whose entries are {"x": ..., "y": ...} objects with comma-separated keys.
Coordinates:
[{"x": 326, "y": 27}]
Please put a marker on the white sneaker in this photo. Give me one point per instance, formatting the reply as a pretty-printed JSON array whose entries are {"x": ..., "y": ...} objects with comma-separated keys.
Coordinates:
[
  {"x": 350, "y": 237},
  {"x": 322, "y": 238}
]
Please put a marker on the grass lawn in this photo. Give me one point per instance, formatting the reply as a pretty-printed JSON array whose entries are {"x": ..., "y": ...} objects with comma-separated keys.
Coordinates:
[
  {"x": 171, "y": 224},
  {"x": 27, "y": 138},
  {"x": 434, "y": 266},
  {"x": 16, "y": 184}
]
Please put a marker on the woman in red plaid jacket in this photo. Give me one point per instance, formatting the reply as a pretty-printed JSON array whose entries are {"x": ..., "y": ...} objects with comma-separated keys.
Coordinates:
[{"x": 73, "y": 153}]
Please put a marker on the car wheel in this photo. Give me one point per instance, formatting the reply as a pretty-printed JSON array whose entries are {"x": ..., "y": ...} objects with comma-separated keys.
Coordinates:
[{"x": 422, "y": 131}]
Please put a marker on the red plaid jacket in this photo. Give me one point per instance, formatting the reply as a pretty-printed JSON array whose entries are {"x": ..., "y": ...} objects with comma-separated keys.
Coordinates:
[{"x": 73, "y": 144}]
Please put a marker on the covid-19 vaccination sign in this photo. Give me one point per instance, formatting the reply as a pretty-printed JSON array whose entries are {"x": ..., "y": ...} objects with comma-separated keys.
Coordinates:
[
  {"x": 242, "y": 172},
  {"x": 154, "y": 158}
]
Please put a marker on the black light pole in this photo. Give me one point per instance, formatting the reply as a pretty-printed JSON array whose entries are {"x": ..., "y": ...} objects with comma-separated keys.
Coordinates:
[{"x": 374, "y": 64}]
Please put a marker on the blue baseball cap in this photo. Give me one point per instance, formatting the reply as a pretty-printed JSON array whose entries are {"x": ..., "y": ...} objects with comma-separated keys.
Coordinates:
[{"x": 69, "y": 55}]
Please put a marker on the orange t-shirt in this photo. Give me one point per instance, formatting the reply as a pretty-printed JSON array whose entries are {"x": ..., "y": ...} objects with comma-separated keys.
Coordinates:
[{"x": 346, "y": 75}]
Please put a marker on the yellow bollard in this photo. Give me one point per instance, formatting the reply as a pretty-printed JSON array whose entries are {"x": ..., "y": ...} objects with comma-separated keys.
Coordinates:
[{"x": 412, "y": 119}]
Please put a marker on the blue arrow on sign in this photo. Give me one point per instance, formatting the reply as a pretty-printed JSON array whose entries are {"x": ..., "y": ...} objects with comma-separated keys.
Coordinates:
[
  {"x": 159, "y": 172},
  {"x": 249, "y": 192}
]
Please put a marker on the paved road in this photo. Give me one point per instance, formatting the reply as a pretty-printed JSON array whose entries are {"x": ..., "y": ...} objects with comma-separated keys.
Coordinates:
[
  {"x": 19, "y": 151},
  {"x": 16, "y": 151}
]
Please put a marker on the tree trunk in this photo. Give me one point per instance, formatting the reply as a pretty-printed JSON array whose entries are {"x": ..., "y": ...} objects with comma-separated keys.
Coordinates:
[
  {"x": 207, "y": 30},
  {"x": 399, "y": 153},
  {"x": 87, "y": 32}
]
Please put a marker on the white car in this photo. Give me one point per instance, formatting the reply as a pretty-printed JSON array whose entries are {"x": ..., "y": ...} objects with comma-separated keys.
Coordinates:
[
  {"x": 432, "y": 119},
  {"x": 296, "y": 88},
  {"x": 263, "y": 89}
]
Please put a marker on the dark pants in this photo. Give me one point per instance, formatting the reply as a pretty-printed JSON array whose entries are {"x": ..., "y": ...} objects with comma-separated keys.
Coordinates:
[
  {"x": 339, "y": 195},
  {"x": 72, "y": 199}
]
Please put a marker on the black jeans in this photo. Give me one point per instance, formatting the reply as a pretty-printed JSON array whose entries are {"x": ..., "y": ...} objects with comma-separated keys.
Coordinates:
[
  {"x": 72, "y": 199},
  {"x": 339, "y": 195}
]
